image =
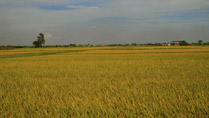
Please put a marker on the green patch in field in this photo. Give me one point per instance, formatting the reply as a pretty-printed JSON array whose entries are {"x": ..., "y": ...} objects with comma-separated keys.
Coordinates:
[{"x": 38, "y": 54}]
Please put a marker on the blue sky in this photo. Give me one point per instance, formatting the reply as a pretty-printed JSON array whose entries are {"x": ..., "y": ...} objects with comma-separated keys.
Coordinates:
[{"x": 103, "y": 21}]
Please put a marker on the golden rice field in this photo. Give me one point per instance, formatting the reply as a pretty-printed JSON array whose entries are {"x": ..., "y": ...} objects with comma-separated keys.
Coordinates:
[{"x": 105, "y": 82}]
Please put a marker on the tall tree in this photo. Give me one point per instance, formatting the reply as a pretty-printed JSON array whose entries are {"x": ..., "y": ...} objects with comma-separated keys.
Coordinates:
[{"x": 40, "y": 40}]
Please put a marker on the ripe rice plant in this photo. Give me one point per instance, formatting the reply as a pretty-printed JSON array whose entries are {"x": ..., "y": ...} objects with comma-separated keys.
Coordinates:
[{"x": 105, "y": 82}]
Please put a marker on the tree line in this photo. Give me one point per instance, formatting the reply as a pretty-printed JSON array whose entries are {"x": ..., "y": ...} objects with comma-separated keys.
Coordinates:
[{"x": 40, "y": 41}]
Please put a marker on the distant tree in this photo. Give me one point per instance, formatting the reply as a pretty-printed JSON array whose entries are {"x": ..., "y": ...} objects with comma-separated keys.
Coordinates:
[
  {"x": 194, "y": 43},
  {"x": 133, "y": 44},
  {"x": 158, "y": 44},
  {"x": 200, "y": 42},
  {"x": 40, "y": 40},
  {"x": 206, "y": 43},
  {"x": 72, "y": 45},
  {"x": 183, "y": 43}
]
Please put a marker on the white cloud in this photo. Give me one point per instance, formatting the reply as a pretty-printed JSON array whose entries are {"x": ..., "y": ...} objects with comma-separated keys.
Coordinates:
[
  {"x": 95, "y": 8},
  {"x": 82, "y": 7},
  {"x": 74, "y": 7},
  {"x": 93, "y": 27},
  {"x": 48, "y": 36}
]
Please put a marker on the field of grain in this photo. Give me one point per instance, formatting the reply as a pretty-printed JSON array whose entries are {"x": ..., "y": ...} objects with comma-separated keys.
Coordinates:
[{"x": 105, "y": 82}]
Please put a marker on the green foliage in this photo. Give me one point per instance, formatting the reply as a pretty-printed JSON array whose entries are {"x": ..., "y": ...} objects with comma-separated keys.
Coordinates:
[
  {"x": 134, "y": 44},
  {"x": 40, "y": 40},
  {"x": 207, "y": 43},
  {"x": 72, "y": 45},
  {"x": 183, "y": 43},
  {"x": 200, "y": 42}
]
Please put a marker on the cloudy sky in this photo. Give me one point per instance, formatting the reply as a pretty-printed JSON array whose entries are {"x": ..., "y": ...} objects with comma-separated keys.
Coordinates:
[{"x": 103, "y": 21}]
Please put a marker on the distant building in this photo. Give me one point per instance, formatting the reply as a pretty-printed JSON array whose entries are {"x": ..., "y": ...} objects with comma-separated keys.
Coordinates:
[
  {"x": 176, "y": 42},
  {"x": 171, "y": 43}
]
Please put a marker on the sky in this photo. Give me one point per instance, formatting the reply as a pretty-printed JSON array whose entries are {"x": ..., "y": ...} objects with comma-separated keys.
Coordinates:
[{"x": 103, "y": 21}]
